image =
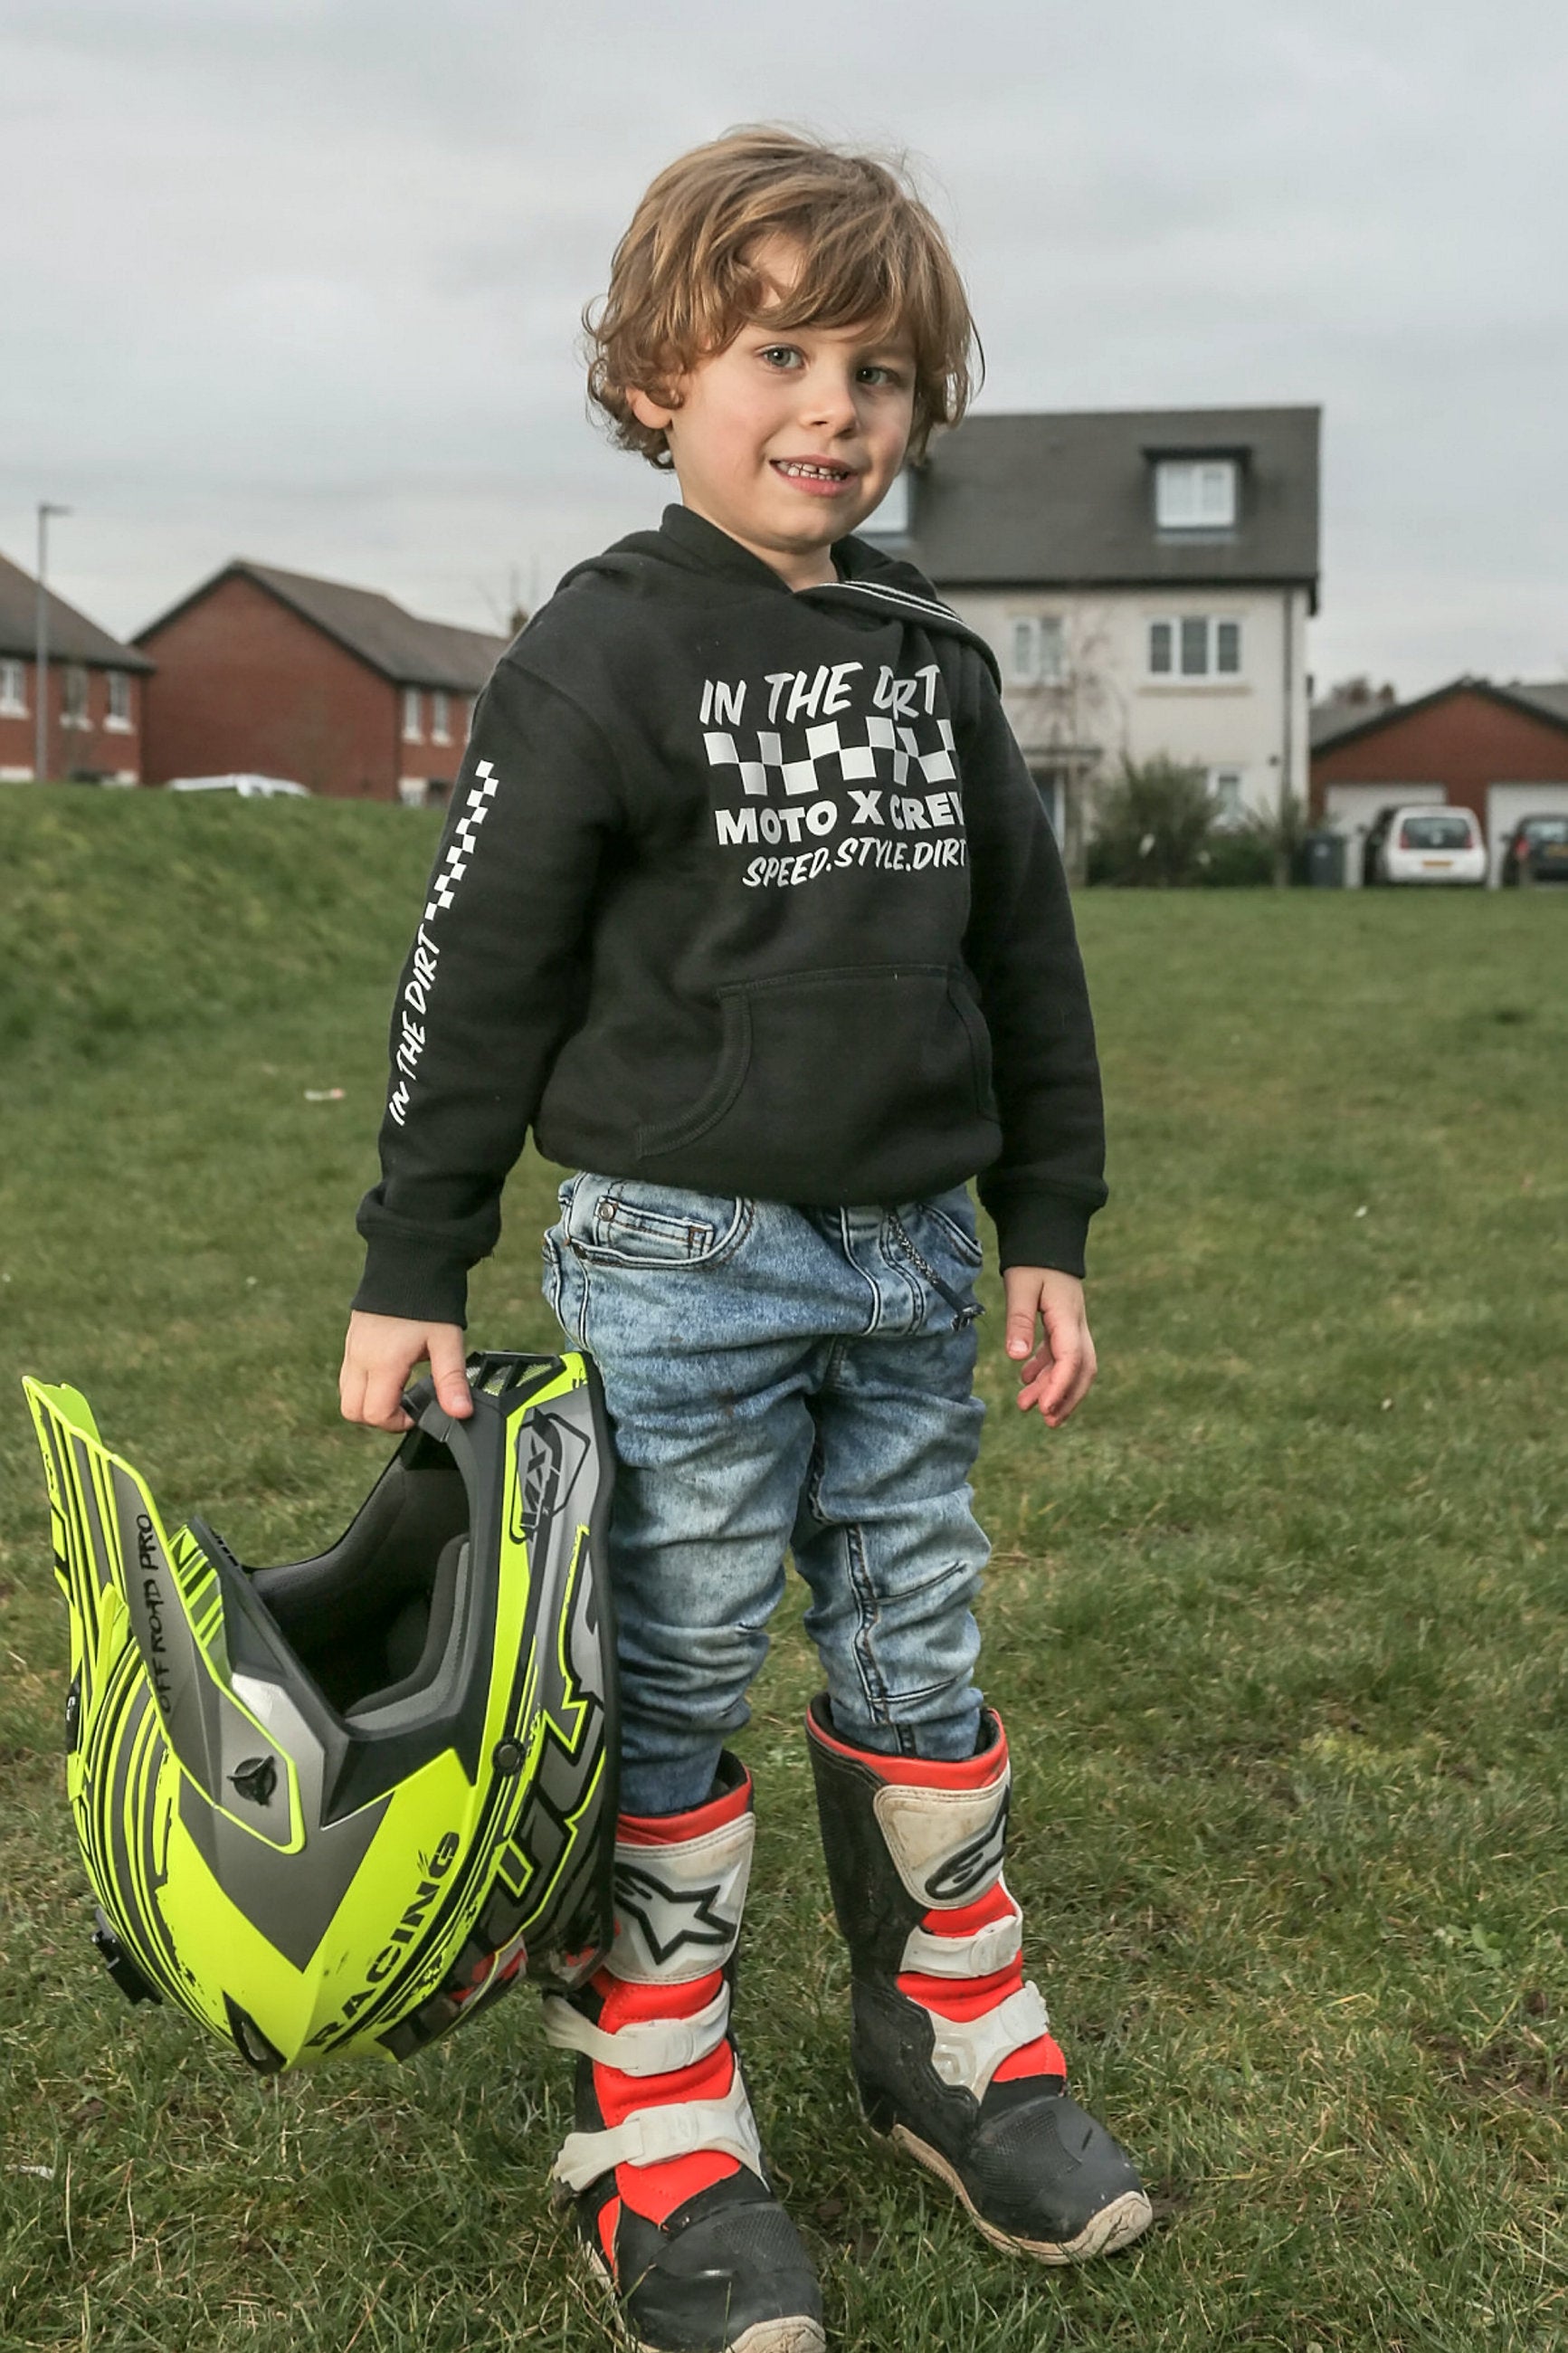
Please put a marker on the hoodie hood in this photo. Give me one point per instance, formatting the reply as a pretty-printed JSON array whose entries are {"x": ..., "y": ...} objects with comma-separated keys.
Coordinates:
[{"x": 687, "y": 546}]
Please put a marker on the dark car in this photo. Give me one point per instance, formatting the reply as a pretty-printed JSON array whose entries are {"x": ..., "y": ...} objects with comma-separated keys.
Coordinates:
[
  {"x": 1372, "y": 842},
  {"x": 1536, "y": 852}
]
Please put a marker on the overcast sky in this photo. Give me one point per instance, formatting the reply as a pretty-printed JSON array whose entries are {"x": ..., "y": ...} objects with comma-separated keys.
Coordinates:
[{"x": 299, "y": 280}]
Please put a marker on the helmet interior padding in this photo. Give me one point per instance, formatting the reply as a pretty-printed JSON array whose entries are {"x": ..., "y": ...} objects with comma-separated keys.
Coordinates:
[{"x": 369, "y": 1619}]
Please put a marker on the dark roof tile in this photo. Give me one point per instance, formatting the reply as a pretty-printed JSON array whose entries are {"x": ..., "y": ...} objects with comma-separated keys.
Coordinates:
[
  {"x": 402, "y": 647},
  {"x": 72, "y": 637},
  {"x": 1066, "y": 500}
]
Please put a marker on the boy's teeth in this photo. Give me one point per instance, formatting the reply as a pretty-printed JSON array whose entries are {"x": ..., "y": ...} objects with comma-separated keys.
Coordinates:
[{"x": 819, "y": 473}]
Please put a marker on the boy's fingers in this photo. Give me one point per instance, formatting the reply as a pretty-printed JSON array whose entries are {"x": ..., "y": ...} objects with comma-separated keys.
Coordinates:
[
  {"x": 382, "y": 1407},
  {"x": 1077, "y": 1389},
  {"x": 1059, "y": 1383},
  {"x": 1023, "y": 1305},
  {"x": 449, "y": 1370},
  {"x": 1056, "y": 1385}
]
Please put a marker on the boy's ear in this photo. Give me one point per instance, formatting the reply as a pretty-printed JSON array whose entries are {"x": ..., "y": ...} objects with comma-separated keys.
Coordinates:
[{"x": 646, "y": 410}]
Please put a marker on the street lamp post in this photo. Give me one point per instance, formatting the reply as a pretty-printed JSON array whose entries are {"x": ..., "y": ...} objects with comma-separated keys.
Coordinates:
[{"x": 41, "y": 646}]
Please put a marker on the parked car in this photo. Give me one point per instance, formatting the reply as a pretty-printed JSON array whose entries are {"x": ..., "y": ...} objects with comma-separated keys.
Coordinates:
[
  {"x": 249, "y": 789},
  {"x": 1536, "y": 852},
  {"x": 1426, "y": 844}
]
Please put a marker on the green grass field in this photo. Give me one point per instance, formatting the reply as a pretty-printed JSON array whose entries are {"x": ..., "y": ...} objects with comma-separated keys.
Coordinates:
[{"x": 1278, "y": 1625}]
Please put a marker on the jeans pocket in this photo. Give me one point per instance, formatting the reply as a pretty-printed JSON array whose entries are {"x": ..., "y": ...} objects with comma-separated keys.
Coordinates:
[
  {"x": 619, "y": 1221},
  {"x": 951, "y": 1218},
  {"x": 552, "y": 1272}
]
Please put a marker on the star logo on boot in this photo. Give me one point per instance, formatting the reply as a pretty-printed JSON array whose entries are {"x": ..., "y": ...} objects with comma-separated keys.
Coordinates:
[
  {"x": 973, "y": 1866},
  {"x": 670, "y": 1917}
]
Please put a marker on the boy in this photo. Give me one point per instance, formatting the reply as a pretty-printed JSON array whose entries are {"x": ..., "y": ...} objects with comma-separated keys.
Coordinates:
[{"x": 747, "y": 904}]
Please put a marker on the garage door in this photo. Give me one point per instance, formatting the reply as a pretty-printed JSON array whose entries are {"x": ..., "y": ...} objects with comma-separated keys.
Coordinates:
[
  {"x": 1506, "y": 803},
  {"x": 1351, "y": 808}
]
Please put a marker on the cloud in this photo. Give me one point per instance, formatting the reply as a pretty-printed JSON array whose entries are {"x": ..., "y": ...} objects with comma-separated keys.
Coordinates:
[{"x": 305, "y": 280}]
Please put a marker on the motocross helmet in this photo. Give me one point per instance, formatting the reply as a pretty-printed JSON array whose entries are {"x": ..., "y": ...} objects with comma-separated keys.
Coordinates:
[{"x": 338, "y": 1805}]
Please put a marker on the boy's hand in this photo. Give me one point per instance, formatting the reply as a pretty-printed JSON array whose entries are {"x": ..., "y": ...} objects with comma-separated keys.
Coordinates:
[
  {"x": 1060, "y": 1372},
  {"x": 380, "y": 1352}
]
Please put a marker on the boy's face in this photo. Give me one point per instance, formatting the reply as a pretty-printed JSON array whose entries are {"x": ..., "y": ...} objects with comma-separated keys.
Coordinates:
[{"x": 832, "y": 401}]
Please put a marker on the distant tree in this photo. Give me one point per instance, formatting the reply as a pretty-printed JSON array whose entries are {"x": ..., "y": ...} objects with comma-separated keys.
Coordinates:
[{"x": 1361, "y": 694}]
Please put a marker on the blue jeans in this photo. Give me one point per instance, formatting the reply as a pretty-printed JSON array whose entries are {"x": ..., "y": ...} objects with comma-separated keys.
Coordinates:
[{"x": 780, "y": 1379}]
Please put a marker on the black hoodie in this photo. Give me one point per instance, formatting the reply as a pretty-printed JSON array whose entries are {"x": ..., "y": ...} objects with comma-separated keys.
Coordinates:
[{"x": 744, "y": 889}]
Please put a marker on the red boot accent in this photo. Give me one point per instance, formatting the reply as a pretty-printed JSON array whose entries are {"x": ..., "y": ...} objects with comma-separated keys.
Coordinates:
[
  {"x": 965, "y": 1998},
  {"x": 922, "y": 1772},
  {"x": 656, "y": 2190}
]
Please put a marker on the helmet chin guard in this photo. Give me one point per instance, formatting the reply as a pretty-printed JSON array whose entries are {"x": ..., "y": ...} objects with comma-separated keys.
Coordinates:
[{"x": 339, "y": 1804}]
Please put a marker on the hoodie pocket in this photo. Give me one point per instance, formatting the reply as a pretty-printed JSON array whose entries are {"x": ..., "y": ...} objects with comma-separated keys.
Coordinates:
[{"x": 830, "y": 1079}]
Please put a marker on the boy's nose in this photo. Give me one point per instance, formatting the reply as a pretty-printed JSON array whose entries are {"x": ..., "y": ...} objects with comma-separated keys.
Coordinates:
[{"x": 830, "y": 404}]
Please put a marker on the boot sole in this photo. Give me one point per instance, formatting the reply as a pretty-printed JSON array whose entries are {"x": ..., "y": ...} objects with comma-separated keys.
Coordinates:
[
  {"x": 1115, "y": 2226},
  {"x": 796, "y": 2336}
]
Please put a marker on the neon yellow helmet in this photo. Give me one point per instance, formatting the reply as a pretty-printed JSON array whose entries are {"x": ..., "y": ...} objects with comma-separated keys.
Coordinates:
[{"x": 339, "y": 1804}]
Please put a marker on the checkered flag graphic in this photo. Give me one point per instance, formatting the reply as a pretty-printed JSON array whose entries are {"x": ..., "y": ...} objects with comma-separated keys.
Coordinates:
[
  {"x": 460, "y": 849},
  {"x": 857, "y": 762}
]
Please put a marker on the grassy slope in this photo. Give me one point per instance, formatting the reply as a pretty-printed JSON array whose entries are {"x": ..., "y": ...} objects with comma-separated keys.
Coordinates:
[{"x": 1278, "y": 1626}]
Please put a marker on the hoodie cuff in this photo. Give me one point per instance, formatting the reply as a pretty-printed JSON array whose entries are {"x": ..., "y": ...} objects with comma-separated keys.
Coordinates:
[
  {"x": 1040, "y": 1229},
  {"x": 426, "y": 1285}
]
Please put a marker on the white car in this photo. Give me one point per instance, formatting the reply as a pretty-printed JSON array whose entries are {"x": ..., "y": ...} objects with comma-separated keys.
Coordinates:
[
  {"x": 1432, "y": 845},
  {"x": 249, "y": 789}
]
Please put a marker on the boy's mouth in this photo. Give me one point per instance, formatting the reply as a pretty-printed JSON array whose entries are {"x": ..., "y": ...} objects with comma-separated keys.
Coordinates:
[{"x": 813, "y": 473}]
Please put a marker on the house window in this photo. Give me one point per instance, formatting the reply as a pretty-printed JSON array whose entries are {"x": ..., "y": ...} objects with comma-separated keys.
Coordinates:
[
  {"x": 440, "y": 717},
  {"x": 1194, "y": 646},
  {"x": 1194, "y": 493},
  {"x": 73, "y": 697},
  {"x": 412, "y": 715},
  {"x": 1225, "y": 790},
  {"x": 13, "y": 690},
  {"x": 1037, "y": 653},
  {"x": 119, "y": 685}
]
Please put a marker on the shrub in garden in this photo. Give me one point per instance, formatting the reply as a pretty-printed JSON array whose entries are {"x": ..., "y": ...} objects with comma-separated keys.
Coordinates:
[
  {"x": 1154, "y": 825},
  {"x": 1244, "y": 856}
]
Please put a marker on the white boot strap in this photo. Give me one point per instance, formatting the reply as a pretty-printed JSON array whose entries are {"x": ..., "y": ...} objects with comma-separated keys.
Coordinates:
[
  {"x": 653, "y": 2046},
  {"x": 652, "y": 2135},
  {"x": 990, "y": 1949},
  {"x": 967, "y": 2052}
]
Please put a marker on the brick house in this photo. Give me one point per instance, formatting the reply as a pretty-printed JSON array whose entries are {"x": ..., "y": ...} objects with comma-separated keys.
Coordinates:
[
  {"x": 1145, "y": 578},
  {"x": 337, "y": 688},
  {"x": 95, "y": 688},
  {"x": 1501, "y": 751}
]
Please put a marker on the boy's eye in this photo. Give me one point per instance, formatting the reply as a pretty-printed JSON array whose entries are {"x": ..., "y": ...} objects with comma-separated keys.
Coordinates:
[
  {"x": 890, "y": 376},
  {"x": 779, "y": 356}
]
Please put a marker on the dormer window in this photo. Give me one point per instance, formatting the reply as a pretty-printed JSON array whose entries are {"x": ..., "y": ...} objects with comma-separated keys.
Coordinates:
[{"x": 1196, "y": 493}]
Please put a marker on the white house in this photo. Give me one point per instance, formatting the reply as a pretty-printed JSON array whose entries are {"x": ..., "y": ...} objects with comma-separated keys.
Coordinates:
[{"x": 1145, "y": 577}]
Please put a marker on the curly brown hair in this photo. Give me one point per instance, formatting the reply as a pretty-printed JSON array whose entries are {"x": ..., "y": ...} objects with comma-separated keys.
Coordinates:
[{"x": 682, "y": 283}]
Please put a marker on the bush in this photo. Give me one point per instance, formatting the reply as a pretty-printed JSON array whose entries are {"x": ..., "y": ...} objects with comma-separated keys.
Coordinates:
[
  {"x": 1244, "y": 859},
  {"x": 1153, "y": 828},
  {"x": 1158, "y": 829}
]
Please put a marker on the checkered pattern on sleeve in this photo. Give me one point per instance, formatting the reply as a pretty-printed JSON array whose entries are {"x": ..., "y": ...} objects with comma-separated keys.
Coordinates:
[{"x": 460, "y": 849}]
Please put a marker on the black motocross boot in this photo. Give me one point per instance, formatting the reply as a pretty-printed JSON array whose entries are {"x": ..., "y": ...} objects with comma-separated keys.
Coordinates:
[
  {"x": 664, "y": 2169},
  {"x": 951, "y": 2049}
]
